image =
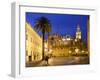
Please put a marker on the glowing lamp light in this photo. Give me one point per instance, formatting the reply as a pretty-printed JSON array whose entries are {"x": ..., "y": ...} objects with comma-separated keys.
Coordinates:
[
  {"x": 45, "y": 49},
  {"x": 75, "y": 40},
  {"x": 70, "y": 51},
  {"x": 77, "y": 50},
  {"x": 68, "y": 39},
  {"x": 83, "y": 51},
  {"x": 46, "y": 45},
  {"x": 63, "y": 39}
]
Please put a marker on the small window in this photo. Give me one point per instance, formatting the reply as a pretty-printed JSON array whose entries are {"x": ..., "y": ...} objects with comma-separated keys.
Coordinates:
[{"x": 26, "y": 37}]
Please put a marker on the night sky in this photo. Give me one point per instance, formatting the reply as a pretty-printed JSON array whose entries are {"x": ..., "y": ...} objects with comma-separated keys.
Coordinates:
[{"x": 62, "y": 23}]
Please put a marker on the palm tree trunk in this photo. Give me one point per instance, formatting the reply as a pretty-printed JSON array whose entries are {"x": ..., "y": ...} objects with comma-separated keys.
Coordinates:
[
  {"x": 48, "y": 41},
  {"x": 43, "y": 33}
]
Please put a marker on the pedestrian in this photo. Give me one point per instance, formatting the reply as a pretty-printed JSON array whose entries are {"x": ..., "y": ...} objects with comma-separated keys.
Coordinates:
[{"x": 46, "y": 58}]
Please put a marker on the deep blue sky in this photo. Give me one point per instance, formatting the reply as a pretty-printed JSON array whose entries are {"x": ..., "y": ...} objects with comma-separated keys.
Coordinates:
[{"x": 62, "y": 23}]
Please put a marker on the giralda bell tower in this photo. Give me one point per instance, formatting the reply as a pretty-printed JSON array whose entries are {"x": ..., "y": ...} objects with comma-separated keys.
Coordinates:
[{"x": 78, "y": 33}]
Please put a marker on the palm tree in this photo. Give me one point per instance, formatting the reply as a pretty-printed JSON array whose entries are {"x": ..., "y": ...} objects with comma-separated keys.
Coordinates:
[{"x": 43, "y": 24}]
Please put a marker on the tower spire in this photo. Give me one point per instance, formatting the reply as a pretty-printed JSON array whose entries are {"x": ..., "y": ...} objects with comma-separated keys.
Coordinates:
[{"x": 78, "y": 32}]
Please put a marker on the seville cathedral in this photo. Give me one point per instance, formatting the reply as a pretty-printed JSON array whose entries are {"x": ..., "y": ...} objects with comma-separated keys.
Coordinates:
[{"x": 60, "y": 45}]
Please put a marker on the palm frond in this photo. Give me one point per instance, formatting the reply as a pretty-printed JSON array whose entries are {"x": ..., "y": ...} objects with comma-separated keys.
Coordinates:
[{"x": 43, "y": 24}]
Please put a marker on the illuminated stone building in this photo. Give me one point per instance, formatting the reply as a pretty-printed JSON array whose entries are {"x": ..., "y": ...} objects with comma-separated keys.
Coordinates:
[
  {"x": 59, "y": 45},
  {"x": 33, "y": 44},
  {"x": 45, "y": 47}
]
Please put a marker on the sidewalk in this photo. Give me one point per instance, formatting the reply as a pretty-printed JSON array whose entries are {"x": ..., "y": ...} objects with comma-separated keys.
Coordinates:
[{"x": 36, "y": 63}]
